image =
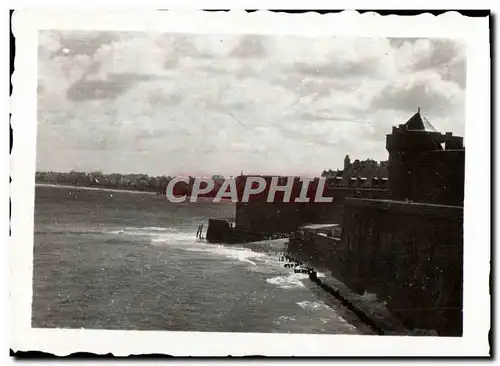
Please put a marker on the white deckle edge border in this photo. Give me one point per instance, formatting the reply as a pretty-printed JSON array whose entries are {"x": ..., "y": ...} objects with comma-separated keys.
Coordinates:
[{"x": 473, "y": 31}]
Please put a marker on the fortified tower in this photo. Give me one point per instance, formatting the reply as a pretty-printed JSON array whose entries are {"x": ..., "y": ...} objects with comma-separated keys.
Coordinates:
[{"x": 424, "y": 164}]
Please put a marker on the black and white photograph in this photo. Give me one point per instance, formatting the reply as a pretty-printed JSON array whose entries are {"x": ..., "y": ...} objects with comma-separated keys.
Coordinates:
[{"x": 190, "y": 175}]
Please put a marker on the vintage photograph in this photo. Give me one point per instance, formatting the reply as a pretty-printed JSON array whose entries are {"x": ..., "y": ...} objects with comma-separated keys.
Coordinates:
[
  {"x": 120, "y": 114},
  {"x": 249, "y": 183}
]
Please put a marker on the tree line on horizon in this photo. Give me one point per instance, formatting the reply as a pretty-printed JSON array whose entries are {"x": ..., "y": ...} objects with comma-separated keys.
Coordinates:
[
  {"x": 136, "y": 182},
  {"x": 158, "y": 184}
]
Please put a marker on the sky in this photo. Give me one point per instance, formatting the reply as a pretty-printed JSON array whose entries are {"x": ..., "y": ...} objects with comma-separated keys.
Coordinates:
[{"x": 187, "y": 104}]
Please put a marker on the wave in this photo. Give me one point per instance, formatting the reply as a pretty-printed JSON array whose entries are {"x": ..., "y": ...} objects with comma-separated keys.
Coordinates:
[
  {"x": 187, "y": 241},
  {"x": 283, "y": 319},
  {"x": 159, "y": 235},
  {"x": 294, "y": 280},
  {"x": 318, "y": 306},
  {"x": 240, "y": 254},
  {"x": 71, "y": 230},
  {"x": 156, "y": 228},
  {"x": 151, "y": 230},
  {"x": 66, "y": 232},
  {"x": 266, "y": 263},
  {"x": 313, "y": 305},
  {"x": 174, "y": 238},
  {"x": 190, "y": 243},
  {"x": 134, "y": 231}
]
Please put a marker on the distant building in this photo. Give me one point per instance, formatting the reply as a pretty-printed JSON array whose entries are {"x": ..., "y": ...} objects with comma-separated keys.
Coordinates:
[
  {"x": 347, "y": 162},
  {"x": 364, "y": 174}
]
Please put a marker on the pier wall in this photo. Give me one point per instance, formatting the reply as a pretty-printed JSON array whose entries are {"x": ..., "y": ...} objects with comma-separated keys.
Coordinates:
[
  {"x": 269, "y": 217},
  {"x": 275, "y": 217},
  {"x": 410, "y": 255}
]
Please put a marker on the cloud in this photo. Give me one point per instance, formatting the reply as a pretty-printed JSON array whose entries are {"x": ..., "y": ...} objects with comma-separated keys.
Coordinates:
[
  {"x": 250, "y": 47},
  {"x": 111, "y": 88},
  {"x": 83, "y": 43},
  {"x": 444, "y": 56},
  {"x": 171, "y": 103},
  {"x": 159, "y": 98},
  {"x": 425, "y": 90}
]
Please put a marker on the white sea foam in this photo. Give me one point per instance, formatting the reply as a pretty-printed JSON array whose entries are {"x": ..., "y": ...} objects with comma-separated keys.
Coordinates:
[
  {"x": 173, "y": 238},
  {"x": 187, "y": 241},
  {"x": 321, "y": 306},
  {"x": 158, "y": 235},
  {"x": 294, "y": 280},
  {"x": 283, "y": 319},
  {"x": 258, "y": 261},
  {"x": 152, "y": 230},
  {"x": 240, "y": 254},
  {"x": 313, "y": 305},
  {"x": 338, "y": 319},
  {"x": 156, "y": 228}
]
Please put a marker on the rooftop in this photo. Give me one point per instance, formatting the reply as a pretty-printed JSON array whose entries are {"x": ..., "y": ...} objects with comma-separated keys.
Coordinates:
[{"x": 418, "y": 122}]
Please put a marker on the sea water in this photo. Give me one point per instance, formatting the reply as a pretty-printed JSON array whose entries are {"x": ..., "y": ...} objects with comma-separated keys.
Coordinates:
[{"x": 123, "y": 260}]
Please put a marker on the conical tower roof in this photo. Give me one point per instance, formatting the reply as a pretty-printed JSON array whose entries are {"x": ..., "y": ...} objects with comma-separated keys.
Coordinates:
[{"x": 419, "y": 123}]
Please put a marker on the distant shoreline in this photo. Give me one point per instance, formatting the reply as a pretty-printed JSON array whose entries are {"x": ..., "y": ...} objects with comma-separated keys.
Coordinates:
[{"x": 66, "y": 186}]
